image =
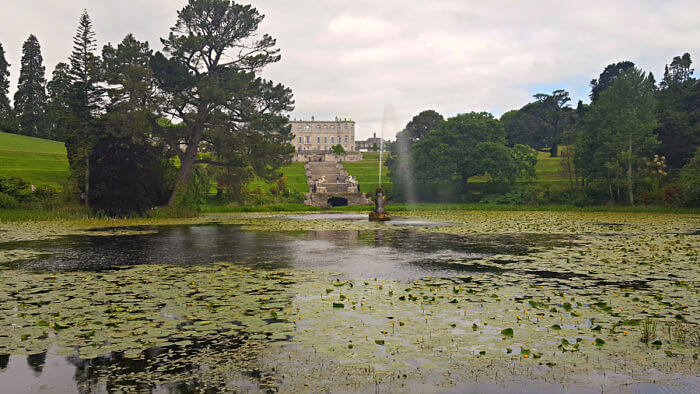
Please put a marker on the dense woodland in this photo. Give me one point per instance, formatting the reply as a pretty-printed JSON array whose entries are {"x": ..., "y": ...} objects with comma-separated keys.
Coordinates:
[
  {"x": 145, "y": 128},
  {"x": 635, "y": 143}
]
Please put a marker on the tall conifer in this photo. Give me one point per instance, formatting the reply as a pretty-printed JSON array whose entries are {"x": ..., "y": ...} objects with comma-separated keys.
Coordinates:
[
  {"x": 58, "y": 109},
  {"x": 30, "y": 98},
  {"x": 5, "y": 108},
  {"x": 85, "y": 103}
]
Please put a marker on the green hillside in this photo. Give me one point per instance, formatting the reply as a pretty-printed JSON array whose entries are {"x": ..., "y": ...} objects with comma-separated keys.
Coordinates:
[
  {"x": 296, "y": 179},
  {"x": 39, "y": 161},
  {"x": 367, "y": 173}
]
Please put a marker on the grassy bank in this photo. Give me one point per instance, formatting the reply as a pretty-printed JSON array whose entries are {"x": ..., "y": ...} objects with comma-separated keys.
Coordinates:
[{"x": 36, "y": 160}]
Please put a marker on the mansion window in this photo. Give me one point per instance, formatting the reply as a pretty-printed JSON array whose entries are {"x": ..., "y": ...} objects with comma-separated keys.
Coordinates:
[
  {"x": 300, "y": 140},
  {"x": 332, "y": 140},
  {"x": 307, "y": 139},
  {"x": 318, "y": 140}
]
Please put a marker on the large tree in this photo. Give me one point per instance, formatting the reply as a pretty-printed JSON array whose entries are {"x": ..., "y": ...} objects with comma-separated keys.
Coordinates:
[
  {"x": 6, "y": 115},
  {"x": 607, "y": 77},
  {"x": 30, "y": 98},
  {"x": 415, "y": 130},
  {"x": 58, "y": 109},
  {"x": 618, "y": 130},
  {"x": 469, "y": 145},
  {"x": 209, "y": 84},
  {"x": 86, "y": 95},
  {"x": 540, "y": 124},
  {"x": 678, "y": 112},
  {"x": 131, "y": 106}
]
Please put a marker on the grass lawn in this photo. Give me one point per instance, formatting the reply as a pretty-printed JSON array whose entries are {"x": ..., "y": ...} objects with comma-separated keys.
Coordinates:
[
  {"x": 367, "y": 173},
  {"x": 296, "y": 179},
  {"x": 39, "y": 161},
  {"x": 548, "y": 170}
]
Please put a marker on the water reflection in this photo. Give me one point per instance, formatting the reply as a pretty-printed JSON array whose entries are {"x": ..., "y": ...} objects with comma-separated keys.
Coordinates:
[{"x": 393, "y": 252}]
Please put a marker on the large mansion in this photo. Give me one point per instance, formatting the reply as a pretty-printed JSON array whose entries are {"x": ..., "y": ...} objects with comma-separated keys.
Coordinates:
[{"x": 321, "y": 135}]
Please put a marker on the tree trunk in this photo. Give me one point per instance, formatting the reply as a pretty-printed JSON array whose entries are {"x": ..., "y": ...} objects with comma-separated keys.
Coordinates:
[
  {"x": 186, "y": 166},
  {"x": 569, "y": 169},
  {"x": 87, "y": 178},
  {"x": 629, "y": 171},
  {"x": 553, "y": 150}
]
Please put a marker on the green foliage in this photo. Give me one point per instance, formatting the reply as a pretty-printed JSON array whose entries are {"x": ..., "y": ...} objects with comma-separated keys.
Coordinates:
[
  {"x": 193, "y": 196},
  {"x": 128, "y": 177},
  {"x": 30, "y": 97},
  {"x": 465, "y": 146},
  {"x": 59, "y": 91},
  {"x": 16, "y": 192},
  {"x": 338, "y": 149},
  {"x": 7, "y": 201},
  {"x": 415, "y": 130},
  {"x": 617, "y": 132},
  {"x": 6, "y": 113},
  {"x": 221, "y": 100},
  {"x": 607, "y": 77},
  {"x": 540, "y": 124},
  {"x": 689, "y": 182},
  {"x": 678, "y": 113},
  {"x": 85, "y": 99}
]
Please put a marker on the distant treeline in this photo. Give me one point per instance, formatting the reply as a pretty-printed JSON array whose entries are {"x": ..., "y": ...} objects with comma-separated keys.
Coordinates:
[{"x": 636, "y": 142}]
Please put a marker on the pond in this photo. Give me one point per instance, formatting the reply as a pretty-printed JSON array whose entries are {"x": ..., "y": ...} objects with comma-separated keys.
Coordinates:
[{"x": 528, "y": 302}]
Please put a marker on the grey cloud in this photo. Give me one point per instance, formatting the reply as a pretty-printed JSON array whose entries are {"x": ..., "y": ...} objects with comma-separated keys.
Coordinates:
[{"x": 359, "y": 57}]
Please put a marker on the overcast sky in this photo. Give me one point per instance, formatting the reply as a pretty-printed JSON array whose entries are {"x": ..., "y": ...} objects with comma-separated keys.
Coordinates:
[{"x": 382, "y": 61}]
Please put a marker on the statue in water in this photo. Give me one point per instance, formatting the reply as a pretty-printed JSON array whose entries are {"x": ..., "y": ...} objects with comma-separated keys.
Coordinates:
[{"x": 379, "y": 214}]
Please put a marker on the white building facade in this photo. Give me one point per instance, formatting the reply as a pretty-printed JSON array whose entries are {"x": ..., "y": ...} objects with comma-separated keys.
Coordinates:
[{"x": 320, "y": 136}]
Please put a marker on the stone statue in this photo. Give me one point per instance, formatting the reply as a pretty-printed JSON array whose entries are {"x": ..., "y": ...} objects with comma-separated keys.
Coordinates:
[{"x": 379, "y": 214}]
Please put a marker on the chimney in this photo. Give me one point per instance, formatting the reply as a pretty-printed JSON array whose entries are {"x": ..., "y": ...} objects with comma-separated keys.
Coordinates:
[
  {"x": 312, "y": 118},
  {"x": 375, "y": 135}
]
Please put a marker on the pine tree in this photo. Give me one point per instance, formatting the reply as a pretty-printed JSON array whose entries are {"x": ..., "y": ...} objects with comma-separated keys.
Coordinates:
[
  {"x": 85, "y": 71},
  {"x": 30, "y": 98},
  {"x": 58, "y": 110},
  {"x": 6, "y": 115},
  {"x": 85, "y": 103}
]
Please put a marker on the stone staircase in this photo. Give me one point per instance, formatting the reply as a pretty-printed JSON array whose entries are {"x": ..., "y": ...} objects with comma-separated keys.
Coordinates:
[{"x": 330, "y": 184}]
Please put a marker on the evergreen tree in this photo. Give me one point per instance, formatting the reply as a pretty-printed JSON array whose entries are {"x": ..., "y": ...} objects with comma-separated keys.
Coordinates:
[
  {"x": 85, "y": 71},
  {"x": 210, "y": 82},
  {"x": 678, "y": 112},
  {"x": 6, "y": 116},
  {"x": 130, "y": 111},
  {"x": 30, "y": 98},
  {"x": 58, "y": 110},
  {"x": 618, "y": 131},
  {"x": 84, "y": 103},
  {"x": 607, "y": 77}
]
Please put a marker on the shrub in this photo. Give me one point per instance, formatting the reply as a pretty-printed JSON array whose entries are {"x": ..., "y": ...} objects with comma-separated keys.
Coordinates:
[
  {"x": 127, "y": 177},
  {"x": 7, "y": 201}
]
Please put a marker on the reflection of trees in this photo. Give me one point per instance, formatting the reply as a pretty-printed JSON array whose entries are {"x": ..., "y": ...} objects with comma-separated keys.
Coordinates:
[
  {"x": 4, "y": 360},
  {"x": 36, "y": 362},
  {"x": 171, "y": 245}
]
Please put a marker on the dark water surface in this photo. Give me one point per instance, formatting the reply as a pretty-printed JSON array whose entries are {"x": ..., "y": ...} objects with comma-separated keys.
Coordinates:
[{"x": 396, "y": 252}]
